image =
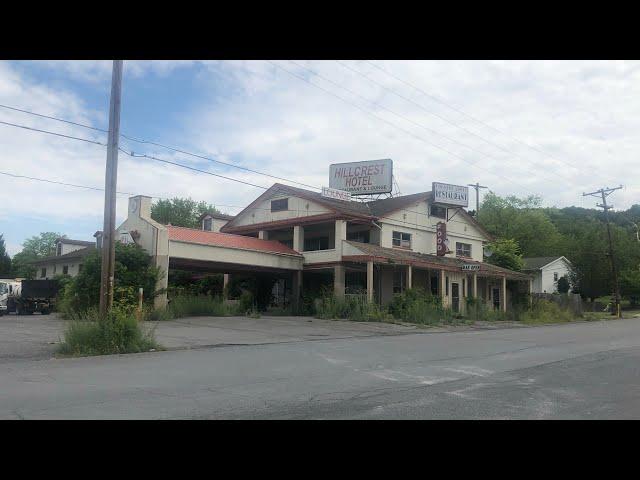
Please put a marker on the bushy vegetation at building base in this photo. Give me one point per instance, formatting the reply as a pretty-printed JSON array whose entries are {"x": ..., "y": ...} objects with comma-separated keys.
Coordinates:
[
  {"x": 119, "y": 332},
  {"x": 204, "y": 306},
  {"x": 420, "y": 307}
]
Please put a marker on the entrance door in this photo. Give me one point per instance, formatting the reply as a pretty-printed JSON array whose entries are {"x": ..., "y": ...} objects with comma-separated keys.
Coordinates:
[
  {"x": 496, "y": 298},
  {"x": 455, "y": 297}
]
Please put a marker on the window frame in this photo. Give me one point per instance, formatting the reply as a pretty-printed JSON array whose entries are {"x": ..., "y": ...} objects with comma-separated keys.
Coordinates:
[
  {"x": 462, "y": 254},
  {"x": 209, "y": 221},
  {"x": 43, "y": 272},
  {"x": 280, "y": 201},
  {"x": 399, "y": 287},
  {"x": 437, "y": 207},
  {"x": 65, "y": 269},
  {"x": 402, "y": 242}
]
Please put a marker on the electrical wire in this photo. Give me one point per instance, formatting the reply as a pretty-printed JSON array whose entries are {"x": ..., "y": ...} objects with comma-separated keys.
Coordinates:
[
  {"x": 53, "y": 133},
  {"x": 452, "y": 107}
]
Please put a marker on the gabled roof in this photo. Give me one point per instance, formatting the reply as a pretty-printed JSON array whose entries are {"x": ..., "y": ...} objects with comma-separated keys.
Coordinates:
[
  {"x": 371, "y": 210},
  {"x": 80, "y": 253},
  {"x": 69, "y": 241},
  {"x": 536, "y": 263},
  {"x": 216, "y": 239},
  {"x": 221, "y": 216}
]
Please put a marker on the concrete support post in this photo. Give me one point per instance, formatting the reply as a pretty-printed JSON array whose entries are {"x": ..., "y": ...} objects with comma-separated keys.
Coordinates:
[
  {"x": 340, "y": 234},
  {"x": 225, "y": 282},
  {"x": 475, "y": 285},
  {"x": 370, "y": 281},
  {"x": 162, "y": 261},
  {"x": 503, "y": 295},
  {"x": 298, "y": 238},
  {"x": 409, "y": 276},
  {"x": 296, "y": 290},
  {"x": 263, "y": 235},
  {"x": 442, "y": 288},
  {"x": 338, "y": 281}
]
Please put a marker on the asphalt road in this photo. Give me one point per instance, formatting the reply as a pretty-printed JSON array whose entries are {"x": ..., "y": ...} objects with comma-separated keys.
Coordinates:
[{"x": 580, "y": 370}]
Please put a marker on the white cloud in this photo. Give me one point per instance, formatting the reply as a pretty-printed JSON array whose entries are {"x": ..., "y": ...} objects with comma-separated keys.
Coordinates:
[{"x": 583, "y": 113}]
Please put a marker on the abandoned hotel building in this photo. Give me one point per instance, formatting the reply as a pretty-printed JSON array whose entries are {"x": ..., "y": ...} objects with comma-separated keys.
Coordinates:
[{"x": 306, "y": 239}]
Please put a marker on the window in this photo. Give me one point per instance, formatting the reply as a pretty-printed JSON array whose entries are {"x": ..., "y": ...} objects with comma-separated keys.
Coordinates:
[
  {"x": 434, "y": 285},
  {"x": 3, "y": 288},
  {"x": 43, "y": 273},
  {"x": 438, "y": 211},
  {"x": 280, "y": 205},
  {"x": 555, "y": 276},
  {"x": 206, "y": 225},
  {"x": 446, "y": 286},
  {"x": 463, "y": 249},
  {"x": 362, "y": 237},
  {"x": 65, "y": 270},
  {"x": 463, "y": 288},
  {"x": 59, "y": 249},
  {"x": 402, "y": 240},
  {"x": 319, "y": 243},
  {"x": 398, "y": 281}
]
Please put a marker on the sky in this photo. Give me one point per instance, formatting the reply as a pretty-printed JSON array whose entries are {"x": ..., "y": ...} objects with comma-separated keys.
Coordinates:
[{"x": 550, "y": 128}]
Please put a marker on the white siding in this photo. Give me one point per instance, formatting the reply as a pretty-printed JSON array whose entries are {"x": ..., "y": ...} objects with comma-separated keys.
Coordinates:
[
  {"x": 261, "y": 213},
  {"x": 560, "y": 267}
]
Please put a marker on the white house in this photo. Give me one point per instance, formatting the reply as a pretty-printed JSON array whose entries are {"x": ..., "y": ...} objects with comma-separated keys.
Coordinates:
[
  {"x": 546, "y": 272},
  {"x": 67, "y": 260}
]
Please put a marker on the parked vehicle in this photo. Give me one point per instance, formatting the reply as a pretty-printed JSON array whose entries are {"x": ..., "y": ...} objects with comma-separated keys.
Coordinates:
[{"x": 27, "y": 296}]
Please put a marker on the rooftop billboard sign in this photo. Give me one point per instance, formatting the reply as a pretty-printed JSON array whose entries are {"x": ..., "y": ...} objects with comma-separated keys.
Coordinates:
[
  {"x": 362, "y": 178},
  {"x": 448, "y": 194}
]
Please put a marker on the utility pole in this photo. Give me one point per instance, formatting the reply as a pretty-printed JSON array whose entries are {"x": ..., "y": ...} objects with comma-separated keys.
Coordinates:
[
  {"x": 604, "y": 193},
  {"x": 477, "y": 186},
  {"x": 111, "y": 178}
]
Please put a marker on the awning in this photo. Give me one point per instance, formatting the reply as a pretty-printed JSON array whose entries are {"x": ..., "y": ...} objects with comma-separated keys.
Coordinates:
[{"x": 365, "y": 252}]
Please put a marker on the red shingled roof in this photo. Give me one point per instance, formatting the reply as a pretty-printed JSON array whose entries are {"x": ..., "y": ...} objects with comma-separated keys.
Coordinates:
[{"x": 227, "y": 240}]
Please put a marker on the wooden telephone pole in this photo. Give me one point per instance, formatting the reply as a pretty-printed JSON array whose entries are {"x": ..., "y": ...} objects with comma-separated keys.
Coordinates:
[
  {"x": 111, "y": 178},
  {"x": 477, "y": 186},
  {"x": 604, "y": 193}
]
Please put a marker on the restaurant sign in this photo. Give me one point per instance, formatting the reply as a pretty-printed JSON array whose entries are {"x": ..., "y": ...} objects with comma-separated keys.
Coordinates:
[{"x": 447, "y": 194}]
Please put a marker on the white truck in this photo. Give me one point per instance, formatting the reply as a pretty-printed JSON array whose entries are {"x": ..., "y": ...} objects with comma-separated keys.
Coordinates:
[{"x": 27, "y": 296}]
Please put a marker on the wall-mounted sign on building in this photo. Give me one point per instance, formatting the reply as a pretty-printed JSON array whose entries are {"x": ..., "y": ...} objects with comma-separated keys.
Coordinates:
[
  {"x": 448, "y": 194},
  {"x": 337, "y": 194},
  {"x": 441, "y": 239},
  {"x": 362, "y": 178},
  {"x": 470, "y": 266}
]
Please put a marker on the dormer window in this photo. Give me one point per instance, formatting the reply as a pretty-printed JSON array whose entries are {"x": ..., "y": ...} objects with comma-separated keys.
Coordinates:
[
  {"x": 280, "y": 205},
  {"x": 207, "y": 224},
  {"x": 438, "y": 211}
]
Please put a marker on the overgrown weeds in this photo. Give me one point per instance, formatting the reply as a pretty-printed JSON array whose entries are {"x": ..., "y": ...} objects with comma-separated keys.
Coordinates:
[
  {"x": 119, "y": 332},
  {"x": 204, "y": 306},
  {"x": 351, "y": 307}
]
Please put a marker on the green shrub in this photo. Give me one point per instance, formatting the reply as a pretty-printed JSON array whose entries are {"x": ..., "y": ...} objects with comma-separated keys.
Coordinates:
[
  {"x": 546, "y": 311},
  {"x": 351, "y": 307},
  {"x": 120, "y": 332},
  {"x": 415, "y": 305},
  {"x": 190, "y": 306}
]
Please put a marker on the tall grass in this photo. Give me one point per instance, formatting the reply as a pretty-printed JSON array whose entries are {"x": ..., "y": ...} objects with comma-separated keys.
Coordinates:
[
  {"x": 415, "y": 305},
  {"x": 350, "y": 307},
  {"x": 203, "y": 306},
  {"x": 120, "y": 332}
]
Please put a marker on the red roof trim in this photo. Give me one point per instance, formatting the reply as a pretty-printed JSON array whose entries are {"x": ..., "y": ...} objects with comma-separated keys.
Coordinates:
[{"x": 227, "y": 240}]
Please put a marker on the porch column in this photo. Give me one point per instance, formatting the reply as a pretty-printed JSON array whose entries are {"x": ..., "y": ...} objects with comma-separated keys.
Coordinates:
[
  {"x": 162, "y": 262},
  {"x": 503, "y": 294},
  {"x": 340, "y": 234},
  {"x": 298, "y": 238},
  {"x": 530, "y": 292},
  {"x": 370, "y": 281},
  {"x": 263, "y": 235},
  {"x": 442, "y": 288},
  {"x": 296, "y": 289},
  {"x": 475, "y": 285},
  {"x": 225, "y": 282},
  {"x": 338, "y": 281},
  {"x": 409, "y": 276}
]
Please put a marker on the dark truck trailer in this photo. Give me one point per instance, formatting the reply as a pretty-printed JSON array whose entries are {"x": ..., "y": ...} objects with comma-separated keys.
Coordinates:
[{"x": 33, "y": 296}]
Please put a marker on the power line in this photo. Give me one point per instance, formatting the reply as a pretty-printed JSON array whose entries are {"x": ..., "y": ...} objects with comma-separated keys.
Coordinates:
[
  {"x": 452, "y": 107},
  {"x": 138, "y": 140},
  {"x": 397, "y": 127},
  {"x": 449, "y": 122},
  {"x": 53, "y": 133},
  {"x": 61, "y": 183}
]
